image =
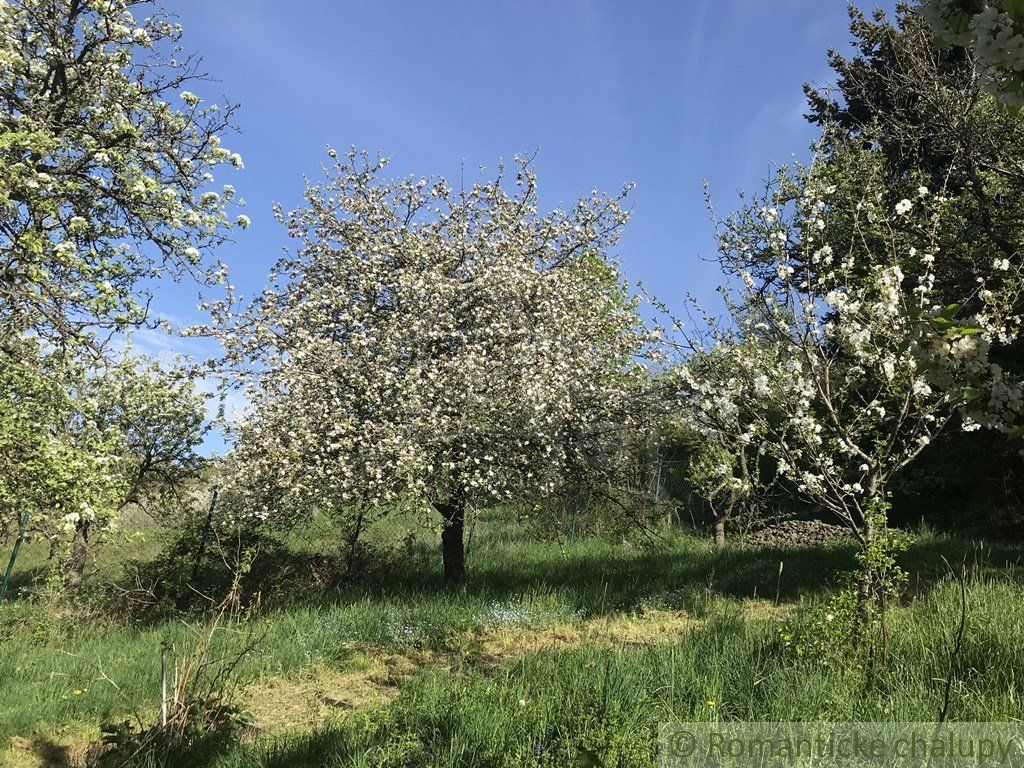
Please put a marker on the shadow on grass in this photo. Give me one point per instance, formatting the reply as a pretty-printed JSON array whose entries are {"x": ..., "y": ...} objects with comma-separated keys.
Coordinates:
[
  {"x": 22, "y": 581},
  {"x": 594, "y": 577}
]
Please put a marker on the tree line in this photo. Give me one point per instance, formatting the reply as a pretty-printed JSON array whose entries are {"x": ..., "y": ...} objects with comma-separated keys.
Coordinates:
[{"x": 443, "y": 348}]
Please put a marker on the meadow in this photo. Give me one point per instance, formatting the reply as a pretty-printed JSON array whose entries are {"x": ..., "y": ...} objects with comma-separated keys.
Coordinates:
[{"x": 559, "y": 654}]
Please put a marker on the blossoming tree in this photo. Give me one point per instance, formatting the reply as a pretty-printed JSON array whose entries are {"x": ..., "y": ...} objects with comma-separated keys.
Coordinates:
[
  {"x": 106, "y": 185},
  {"x": 862, "y": 364},
  {"x": 105, "y": 165},
  {"x": 432, "y": 345},
  {"x": 719, "y": 397}
]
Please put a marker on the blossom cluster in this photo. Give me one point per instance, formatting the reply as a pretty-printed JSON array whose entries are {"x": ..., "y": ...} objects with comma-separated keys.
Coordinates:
[{"x": 994, "y": 33}]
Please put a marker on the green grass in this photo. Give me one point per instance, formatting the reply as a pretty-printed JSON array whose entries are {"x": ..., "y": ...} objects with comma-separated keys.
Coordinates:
[
  {"x": 595, "y": 696},
  {"x": 550, "y": 708}
]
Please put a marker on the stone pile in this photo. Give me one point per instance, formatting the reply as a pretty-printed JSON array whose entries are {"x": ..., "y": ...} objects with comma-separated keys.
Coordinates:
[{"x": 796, "y": 533}]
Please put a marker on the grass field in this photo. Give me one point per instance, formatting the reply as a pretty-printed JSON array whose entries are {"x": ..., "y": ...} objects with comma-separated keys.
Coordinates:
[{"x": 559, "y": 655}]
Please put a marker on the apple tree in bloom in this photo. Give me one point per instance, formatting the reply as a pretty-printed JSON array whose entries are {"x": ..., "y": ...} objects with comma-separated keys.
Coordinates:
[
  {"x": 106, "y": 186},
  {"x": 721, "y": 406},
  {"x": 834, "y": 279},
  {"x": 106, "y": 162},
  {"x": 430, "y": 345}
]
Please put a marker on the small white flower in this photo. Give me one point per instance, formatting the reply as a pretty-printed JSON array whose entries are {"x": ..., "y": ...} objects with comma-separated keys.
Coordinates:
[{"x": 903, "y": 207}]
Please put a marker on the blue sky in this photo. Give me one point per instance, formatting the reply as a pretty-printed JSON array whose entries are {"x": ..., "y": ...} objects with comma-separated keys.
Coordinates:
[{"x": 660, "y": 93}]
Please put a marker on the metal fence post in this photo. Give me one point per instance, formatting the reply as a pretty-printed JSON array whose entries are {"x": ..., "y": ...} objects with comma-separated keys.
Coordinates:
[
  {"x": 206, "y": 533},
  {"x": 14, "y": 554}
]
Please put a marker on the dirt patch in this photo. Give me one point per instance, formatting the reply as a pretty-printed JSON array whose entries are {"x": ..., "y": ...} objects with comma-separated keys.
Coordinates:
[
  {"x": 494, "y": 646},
  {"x": 310, "y": 698}
]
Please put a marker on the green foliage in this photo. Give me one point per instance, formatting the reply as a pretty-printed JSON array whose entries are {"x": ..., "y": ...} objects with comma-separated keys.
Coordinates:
[
  {"x": 78, "y": 443},
  {"x": 60, "y": 463}
]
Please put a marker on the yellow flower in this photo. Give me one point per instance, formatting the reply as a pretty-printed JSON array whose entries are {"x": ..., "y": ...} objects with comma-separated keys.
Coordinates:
[
  {"x": 85, "y": 690},
  {"x": 77, "y": 693},
  {"x": 711, "y": 703}
]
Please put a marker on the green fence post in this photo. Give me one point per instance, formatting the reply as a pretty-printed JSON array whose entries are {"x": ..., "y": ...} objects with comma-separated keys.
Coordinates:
[
  {"x": 206, "y": 532},
  {"x": 14, "y": 555}
]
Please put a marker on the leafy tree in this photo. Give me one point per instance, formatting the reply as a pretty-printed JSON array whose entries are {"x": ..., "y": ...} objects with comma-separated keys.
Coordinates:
[
  {"x": 78, "y": 444},
  {"x": 59, "y": 465},
  {"x": 926, "y": 112},
  {"x": 932, "y": 119},
  {"x": 431, "y": 345}
]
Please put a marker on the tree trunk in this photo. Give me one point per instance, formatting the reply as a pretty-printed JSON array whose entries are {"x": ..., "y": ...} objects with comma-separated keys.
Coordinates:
[
  {"x": 453, "y": 550},
  {"x": 719, "y": 516},
  {"x": 720, "y": 531},
  {"x": 354, "y": 542},
  {"x": 79, "y": 552},
  {"x": 867, "y": 579}
]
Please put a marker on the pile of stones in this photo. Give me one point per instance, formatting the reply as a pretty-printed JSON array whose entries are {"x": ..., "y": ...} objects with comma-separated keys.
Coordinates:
[{"x": 796, "y": 533}]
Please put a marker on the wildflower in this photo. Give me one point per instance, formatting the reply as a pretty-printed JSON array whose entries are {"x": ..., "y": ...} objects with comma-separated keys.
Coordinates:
[
  {"x": 1001, "y": 264},
  {"x": 903, "y": 207},
  {"x": 522, "y": 702},
  {"x": 711, "y": 703},
  {"x": 77, "y": 692}
]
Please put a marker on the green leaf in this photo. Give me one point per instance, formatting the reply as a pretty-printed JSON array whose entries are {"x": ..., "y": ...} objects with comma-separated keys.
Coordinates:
[
  {"x": 949, "y": 311},
  {"x": 971, "y": 393},
  {"x": 1014, "y": 9}
]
